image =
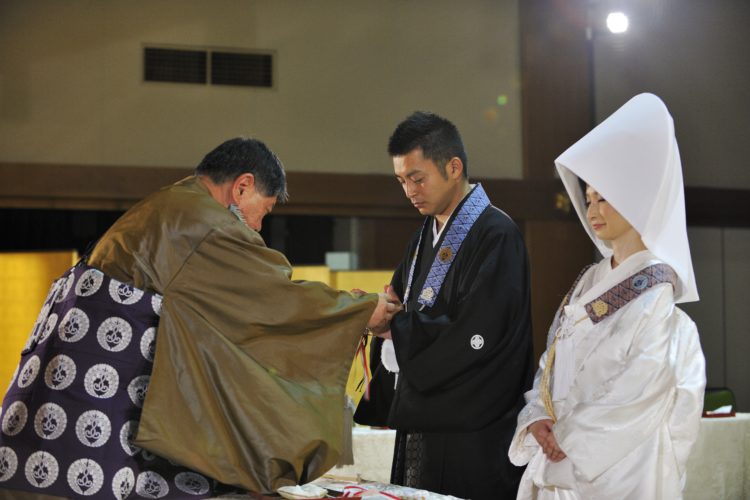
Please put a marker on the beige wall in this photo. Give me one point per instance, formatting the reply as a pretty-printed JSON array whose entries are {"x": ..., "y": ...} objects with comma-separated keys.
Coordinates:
[{"x": 71, "y": 88}]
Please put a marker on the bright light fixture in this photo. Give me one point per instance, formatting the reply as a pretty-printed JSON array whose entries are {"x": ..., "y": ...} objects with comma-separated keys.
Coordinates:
[{"x": 617, "y": 22}]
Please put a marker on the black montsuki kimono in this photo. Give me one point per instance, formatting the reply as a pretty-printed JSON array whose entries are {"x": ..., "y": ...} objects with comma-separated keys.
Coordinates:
[{"x": 465, "y": 364}]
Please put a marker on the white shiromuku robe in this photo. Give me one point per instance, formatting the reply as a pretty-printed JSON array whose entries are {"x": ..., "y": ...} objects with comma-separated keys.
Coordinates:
[{"x": 627, "y": 391}]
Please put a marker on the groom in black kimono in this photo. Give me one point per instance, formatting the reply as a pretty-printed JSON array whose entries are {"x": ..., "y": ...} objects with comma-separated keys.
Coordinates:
[{"x": 460, "y": 354}]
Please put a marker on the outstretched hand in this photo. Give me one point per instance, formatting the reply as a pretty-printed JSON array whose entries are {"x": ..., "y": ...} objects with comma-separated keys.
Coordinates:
[
  {"x": 391, "y": 293},
  {"x": 381, "y": 318},
  {"x": 542, "y": 432},
  {"x": 388, "y": 305}
]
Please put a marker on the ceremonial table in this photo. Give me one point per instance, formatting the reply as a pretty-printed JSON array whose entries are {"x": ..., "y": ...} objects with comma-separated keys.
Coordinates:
[
  {"x": 718, "y": 468},
  {"x": 719, "y": 463},
  {"x": 373, "y": 453}
]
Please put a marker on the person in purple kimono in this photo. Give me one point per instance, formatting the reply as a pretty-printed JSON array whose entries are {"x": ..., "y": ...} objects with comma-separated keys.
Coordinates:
[{"x": 179, "y": 355}]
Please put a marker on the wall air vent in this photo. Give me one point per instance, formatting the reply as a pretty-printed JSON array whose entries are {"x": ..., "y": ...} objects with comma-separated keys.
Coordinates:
[
  {"x": 173, "y": 65},
  {"x": 235, "y": 68},
  {"x": 207, "y": 66}
]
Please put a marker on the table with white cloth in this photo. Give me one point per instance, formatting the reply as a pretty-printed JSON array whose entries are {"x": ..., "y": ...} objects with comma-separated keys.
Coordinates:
[
  {"x": 373, "y": 454},
  {"x": 719, "y": 463},
  {"x": 718, "y": 468}
]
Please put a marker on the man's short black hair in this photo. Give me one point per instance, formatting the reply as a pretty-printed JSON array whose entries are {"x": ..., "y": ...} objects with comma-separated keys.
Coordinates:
[
  {"x": 239, "y": 156},
  {"x": 437, "y": 137}
]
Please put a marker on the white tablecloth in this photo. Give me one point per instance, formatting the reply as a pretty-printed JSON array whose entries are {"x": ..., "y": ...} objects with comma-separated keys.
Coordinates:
[
  {"x": 719, "y": 464},
  {"x": 718, "y": 468},
  {"x": 373, "y": 453}
]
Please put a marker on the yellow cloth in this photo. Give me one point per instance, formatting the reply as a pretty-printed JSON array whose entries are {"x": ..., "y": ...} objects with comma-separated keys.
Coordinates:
[{"x": 250, "y": 367}]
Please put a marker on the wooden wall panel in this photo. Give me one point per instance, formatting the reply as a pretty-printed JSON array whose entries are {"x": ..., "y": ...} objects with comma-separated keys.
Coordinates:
[
  {"x": 383, "y": 241},
  {"x": 555, "y": 79},
  {"x": 737, "y": 331},
  {"x": 558, "y": 250},
  {"x": 557, "y": 111},
  {"x": 118, "y": 188},
  {"x": 717, "y": 207},
  {"x": 35, "y": 185}
]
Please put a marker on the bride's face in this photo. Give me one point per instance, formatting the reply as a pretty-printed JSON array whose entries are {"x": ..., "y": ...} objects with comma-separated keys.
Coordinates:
[{"x": 607, "y": 223}]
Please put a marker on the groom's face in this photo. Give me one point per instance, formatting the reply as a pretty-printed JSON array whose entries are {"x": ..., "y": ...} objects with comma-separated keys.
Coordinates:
[{"x": 428, "y": 187}]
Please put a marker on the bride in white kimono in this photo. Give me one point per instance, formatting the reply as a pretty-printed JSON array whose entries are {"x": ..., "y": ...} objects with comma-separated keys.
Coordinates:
[{"x": 617, "y": 400}]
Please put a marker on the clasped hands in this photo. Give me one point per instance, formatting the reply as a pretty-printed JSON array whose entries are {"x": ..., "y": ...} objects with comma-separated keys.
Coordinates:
[
  {"x": 388, "y": 305},
  {"x": 542, "y": 432}
]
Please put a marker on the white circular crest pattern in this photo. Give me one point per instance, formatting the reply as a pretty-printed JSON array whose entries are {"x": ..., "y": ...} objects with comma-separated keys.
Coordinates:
[
  {"x": 151, "y": 485},
  {"x": 114, "y": 334},
  {"x": 93, "y": 428},
  {"x": 30, "y": 370},
  {"x": 41, "y": 469},
  {"x": 60, "y": 372},
  {"x": 137, "y": 389},
  {"x": 127, "y": 434},
  {"x": 148, "y": 344},
  {"x": 125, "y": 294},
  {"x": 50, "y": 421},
  {"x": 8, "y": 463},
  {"x": 427, "y": 293},
  {"x": 74, "y": 325},
  {"x": 640, "y": 282},
  {"x": 477, "y": 342},
  {"x": 52, "y": 293},
  {"x": 156, "y": 301},
  {"x": 14, "y": 418},
  {"x": 85, "y": 476},
  {"x": 49, "y": 327},
  {"x": 89, "y": 283},
  {"x": 101, "y": 381},
  {"x": 65, "y": 289},
  {"x": 192, "y": 483},
  {"x": 31, "y": 340},
  {"x": 43, "y": 313},
  {"x": 13, "y": 377},
  {"x": 123, "y": 483},
  {"x": 35, "y": 331}
]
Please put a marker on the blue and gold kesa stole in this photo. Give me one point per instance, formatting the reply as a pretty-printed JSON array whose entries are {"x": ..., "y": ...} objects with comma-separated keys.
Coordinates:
[
  {"x": 628, "y": 290},
  {"x": 472, "y": 207}
]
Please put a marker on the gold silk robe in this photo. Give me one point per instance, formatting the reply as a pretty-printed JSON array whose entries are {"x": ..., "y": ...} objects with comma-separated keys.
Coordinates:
[{"x": 250, "y": 367}]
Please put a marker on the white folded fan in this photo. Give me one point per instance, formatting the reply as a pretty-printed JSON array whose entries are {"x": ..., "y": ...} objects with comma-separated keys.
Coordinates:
[{"x": 302, "y": 492}]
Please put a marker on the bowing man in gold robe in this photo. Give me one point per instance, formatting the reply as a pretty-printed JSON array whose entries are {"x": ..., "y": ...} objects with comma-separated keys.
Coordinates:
[{"x": 250, "y": 367}]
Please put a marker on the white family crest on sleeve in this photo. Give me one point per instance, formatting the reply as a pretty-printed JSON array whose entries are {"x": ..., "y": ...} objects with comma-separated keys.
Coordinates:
[{"x": 477, "y": 342}]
